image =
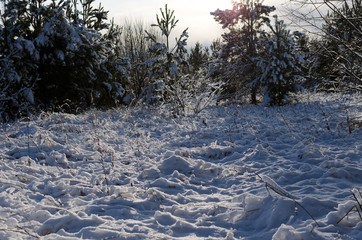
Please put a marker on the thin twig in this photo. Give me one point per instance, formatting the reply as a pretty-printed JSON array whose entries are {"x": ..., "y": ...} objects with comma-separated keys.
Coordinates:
[
  {"x": 97, "y": 140},
  {"x": 284, "y": 193},
  {"x": 359, "y": 208},
  {"x": 345, "y": 215},
  {"x": 22, "y": 231}
]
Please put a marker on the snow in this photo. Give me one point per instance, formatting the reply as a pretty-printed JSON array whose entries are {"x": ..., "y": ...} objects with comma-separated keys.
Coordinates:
[{"x": 229, "y": 172}]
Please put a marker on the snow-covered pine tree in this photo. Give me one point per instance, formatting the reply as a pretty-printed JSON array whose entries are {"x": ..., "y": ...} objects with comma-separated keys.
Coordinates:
[
  {"x": 336, "y": 26},
  {"x": 50, "y": 55},
  {"x": 243, "y": 23},
  {"x": 340, "y": 51},
  {"x": 279, "y": 63},
  {"x": 168, "y": 57},
  {"x": 117, "y": 65},
  {"x": 110, "y": 66},
  {"x": 78, "y": 63},
  {"x": 167, "y": 60},
  {"x": 16, "y": 78},
  {"x": 198, "y": 57}
]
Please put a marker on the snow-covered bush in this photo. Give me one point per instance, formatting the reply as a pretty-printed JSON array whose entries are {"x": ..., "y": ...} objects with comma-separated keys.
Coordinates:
[
  {"x": 52, "y": 53},
  {"x": 279, "y": 64}
]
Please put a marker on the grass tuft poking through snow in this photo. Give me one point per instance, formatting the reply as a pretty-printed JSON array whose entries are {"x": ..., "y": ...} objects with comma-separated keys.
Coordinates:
[{"x": 138, "y": 173}]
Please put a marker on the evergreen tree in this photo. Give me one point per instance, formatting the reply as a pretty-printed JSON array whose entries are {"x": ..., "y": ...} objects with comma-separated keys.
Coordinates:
[
  {"x": 198, "y": 57},
  {"x": 167, "y": 59},
  {"x": 280, "y": 63},
  {"x": 243, "y": 23},
  {"x": 340, "y": 54},
  {"x": 16, "y": 78},
  {"x": 335, "y": 54},
  {"x": 50, "y": 55}
]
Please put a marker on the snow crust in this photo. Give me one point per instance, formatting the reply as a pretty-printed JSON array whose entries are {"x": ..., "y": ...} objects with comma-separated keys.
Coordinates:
[{"x": 138, "y": 173}]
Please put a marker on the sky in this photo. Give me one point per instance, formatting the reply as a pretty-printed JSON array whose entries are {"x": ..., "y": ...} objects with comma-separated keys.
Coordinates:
[{"x": 194, "y": 14}]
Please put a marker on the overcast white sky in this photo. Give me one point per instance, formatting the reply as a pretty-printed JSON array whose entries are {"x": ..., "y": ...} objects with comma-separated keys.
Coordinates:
[{"x": 194, "y": 14}]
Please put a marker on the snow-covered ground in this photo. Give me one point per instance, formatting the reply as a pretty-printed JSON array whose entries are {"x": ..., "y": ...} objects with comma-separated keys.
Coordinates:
[{"x": 235, "y": 172}]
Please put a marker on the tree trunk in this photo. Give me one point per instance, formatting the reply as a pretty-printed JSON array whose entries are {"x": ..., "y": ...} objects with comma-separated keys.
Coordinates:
[{"x": 253, "y": 95}]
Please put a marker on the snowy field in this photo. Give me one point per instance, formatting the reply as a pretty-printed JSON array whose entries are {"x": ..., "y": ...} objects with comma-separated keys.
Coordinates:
[{"x": 236, "y": 172}]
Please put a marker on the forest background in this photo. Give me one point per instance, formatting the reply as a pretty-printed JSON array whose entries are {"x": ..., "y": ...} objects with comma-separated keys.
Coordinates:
[{"x": 69, "y": 56}]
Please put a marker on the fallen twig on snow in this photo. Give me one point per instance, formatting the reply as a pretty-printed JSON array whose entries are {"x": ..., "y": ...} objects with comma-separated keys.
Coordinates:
[
  {"x": 270, "y": 183},
  {"x": 357, "y": 195}
]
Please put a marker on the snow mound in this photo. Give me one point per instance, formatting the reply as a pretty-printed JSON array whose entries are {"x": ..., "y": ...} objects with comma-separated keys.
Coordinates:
[
  {"x": 175, "y": 163},
  {"x": 70, "y": 222}
]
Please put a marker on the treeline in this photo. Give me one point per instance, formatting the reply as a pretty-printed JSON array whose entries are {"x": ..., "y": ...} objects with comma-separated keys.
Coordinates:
[
  {"x": 66, "y": 55},
  {"x": 262, "y": 57}
]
